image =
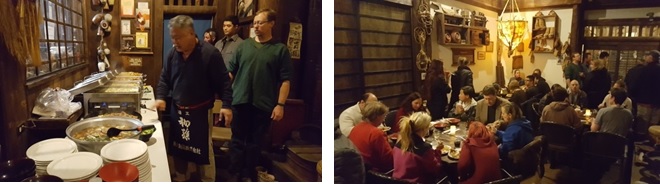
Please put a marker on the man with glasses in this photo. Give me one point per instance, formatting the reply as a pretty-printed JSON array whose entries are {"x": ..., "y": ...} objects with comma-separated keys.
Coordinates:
[
  {"x": 261, "y": 68},
  {"x": 194, "y": 75}
]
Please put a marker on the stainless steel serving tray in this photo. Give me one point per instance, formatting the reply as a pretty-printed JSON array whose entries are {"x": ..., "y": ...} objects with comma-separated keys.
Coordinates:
[{"x": 91, "y": 82}]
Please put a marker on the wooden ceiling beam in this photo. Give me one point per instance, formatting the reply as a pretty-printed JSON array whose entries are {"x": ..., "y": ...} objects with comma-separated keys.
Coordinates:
[{"x": 618, "y": 4}]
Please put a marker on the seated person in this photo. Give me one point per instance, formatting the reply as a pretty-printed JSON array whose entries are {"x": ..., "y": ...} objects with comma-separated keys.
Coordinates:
[
  {"x": 488, "y": 109},
  {"x": 349, "y": 166},
  {"x": 559, "y": 111},
  {"x": 614, "y": 119},
  {"x": 577, "y": 97},
  {"x": 530, "y": 87},
  {"x": 541, "y": 85},
  {"x": 353, "y": 115},
  {"x": 464, "y": 109},
  {"x": 627, "y": 104},
  {"x": 479, "y": 161},
  {"x": 517, "y": 78},
  {"x": 547, "y": 98},
  {"x": 412, "y": 103},
  {"x": 517, "y": 94},
  {"x": 415, "y": 160},
  {"x": 371, "y": 141},
  {"x": 518, "y": 131}
]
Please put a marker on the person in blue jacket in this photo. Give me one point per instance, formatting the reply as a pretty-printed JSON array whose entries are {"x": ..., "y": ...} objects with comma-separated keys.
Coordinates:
[{"x": 518, "y": 132}]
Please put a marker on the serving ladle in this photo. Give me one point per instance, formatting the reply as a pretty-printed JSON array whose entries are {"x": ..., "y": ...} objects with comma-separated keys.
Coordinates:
[{"x": 112, "y": 132}]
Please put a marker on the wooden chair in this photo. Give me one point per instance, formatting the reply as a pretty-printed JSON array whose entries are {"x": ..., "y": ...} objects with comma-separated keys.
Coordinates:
[
  {"x": 557, "y": 138},
  {"x": 604, "y": 146},
  {"x": 527, "y": 160},
  {"x": 390, "y": 118},
  {"x": 507, "y": 178},
  {"x": 374, "y": 177}
]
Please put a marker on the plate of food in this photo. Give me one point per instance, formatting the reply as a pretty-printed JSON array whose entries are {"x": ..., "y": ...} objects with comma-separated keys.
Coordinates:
[
  {"x": 454, "y": 154},
  {"x": 453, "y": 120},
  {"x": 446, "y": 149},
  {"x": 440, "y": 125},
  {"x": 394, "y": 136},
  {"x": 385, "y": 128}
]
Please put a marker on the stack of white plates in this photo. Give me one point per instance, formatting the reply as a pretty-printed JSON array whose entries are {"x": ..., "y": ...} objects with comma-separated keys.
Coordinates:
[
  {"x": 48, "y": 150},
  {"x": 79, "y": 166},
  {"x": 132, "y": 151}
]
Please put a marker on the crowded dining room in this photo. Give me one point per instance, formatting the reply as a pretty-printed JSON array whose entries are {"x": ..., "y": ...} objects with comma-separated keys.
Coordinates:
[
  {"x": 160, "y": 91},
  {"x": 496, "y": 91}
]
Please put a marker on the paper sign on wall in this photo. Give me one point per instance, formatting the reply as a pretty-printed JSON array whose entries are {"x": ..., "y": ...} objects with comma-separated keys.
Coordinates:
[
  {"x": 135, "y": 61},
  {"x": 141, "y": 40},
  {"x": 295, "y": 39}
]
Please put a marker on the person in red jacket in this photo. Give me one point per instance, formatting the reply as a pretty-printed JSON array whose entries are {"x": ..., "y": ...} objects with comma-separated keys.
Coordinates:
[
  {"x": 371, "y": 141},
  {"x": 479, "y": 161},
  {"x": 415, "y": 160},
  {"x": 412, "y": 103}
]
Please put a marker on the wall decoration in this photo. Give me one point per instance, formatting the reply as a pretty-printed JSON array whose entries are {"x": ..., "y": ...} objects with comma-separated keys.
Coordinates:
[
  {"x": 143, "y": 15},
  {"x": 462, "y": 53},
  {"x": 125, "y": 27},
  {"x": 127, "y": 7},
  {"x": 135, "y": 61},
  {"x": 403, "y": 2},
  {"x": 489, "y": 47},
  {"x": 141, "y": 40},
  {"x": 127, "y": 43},
  {"x": 246, "y": 9},
  {"x": 481, "y": 55},
  {"x": 295, "y": 39}
]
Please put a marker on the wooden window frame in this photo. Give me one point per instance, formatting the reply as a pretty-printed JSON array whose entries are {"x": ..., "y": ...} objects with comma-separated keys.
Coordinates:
[{"x": 66, "y": 39}]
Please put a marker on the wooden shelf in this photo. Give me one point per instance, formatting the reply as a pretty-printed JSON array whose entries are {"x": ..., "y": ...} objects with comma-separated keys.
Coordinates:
[
  {"x": 136, "y": 53},
  {"x": 466, "y": 31}
]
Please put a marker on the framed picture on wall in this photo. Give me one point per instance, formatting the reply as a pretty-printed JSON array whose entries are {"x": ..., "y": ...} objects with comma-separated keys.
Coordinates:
[
  {"x": 489, "y": 47},
  {"x": 246, "y": 10},
  {"x": 481, "y": 55},
  {"x": 459, "y": 53}
]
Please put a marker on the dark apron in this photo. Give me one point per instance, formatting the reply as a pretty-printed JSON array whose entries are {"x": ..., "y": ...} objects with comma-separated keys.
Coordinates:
[{"x": 189, "y": 134}]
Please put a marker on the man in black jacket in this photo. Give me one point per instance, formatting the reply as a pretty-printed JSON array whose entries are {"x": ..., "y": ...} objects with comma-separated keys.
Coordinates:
[
  {"x": 460, "y": 78},
  {"x": 645, "y": 89}
]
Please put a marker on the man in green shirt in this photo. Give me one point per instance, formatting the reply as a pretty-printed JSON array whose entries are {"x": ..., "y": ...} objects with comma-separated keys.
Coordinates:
[
  {"x": 261, "y": 69},
  {"x": 572, "y": 70}
]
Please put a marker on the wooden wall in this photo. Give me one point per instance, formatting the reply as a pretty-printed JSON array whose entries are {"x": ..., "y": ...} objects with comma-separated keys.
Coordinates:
[
  {"x": 373, "y": 52},
  {"x": 18, "y": 96},
  {"x": 151, "y": 60}
]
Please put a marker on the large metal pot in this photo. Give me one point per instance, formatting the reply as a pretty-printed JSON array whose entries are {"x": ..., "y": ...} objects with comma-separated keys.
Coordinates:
[{"x": 93, "y": 146}]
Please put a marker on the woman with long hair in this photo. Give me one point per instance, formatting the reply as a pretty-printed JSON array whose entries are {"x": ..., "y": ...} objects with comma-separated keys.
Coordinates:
[
  {"x": 412, "y": 103},
  {"x": 479, "y": 158},
  {"x": 436, "y": 89},
  {"x": 415, "y": 160},
  {"x": 597, "y": 84}
]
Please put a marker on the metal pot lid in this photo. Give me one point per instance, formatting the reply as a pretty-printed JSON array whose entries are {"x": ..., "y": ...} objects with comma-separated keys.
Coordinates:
[{"x": 91, "y": 82}]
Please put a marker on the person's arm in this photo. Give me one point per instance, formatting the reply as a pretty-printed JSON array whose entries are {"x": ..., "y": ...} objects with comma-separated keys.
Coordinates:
[
  {"x": 432, "y": 162},
  {"x": 164, "y": 84},
  {"x": 604, "y": 103},
  {"x": 508, "y": 138},
  {"x": 583, "y": 99},
  {"x": 384, "y": 150},
  {"x": 465, "y": 163},
  {"x": 285, "y": 71},
  {"x": 346, "y": 123},
  {"x": 595, "y": 123},
  {"x": 221, "y": 84}
]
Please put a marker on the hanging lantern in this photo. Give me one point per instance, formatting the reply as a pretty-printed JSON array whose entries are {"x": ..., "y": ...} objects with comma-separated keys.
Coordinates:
[{"x": 513, "y": 31}]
